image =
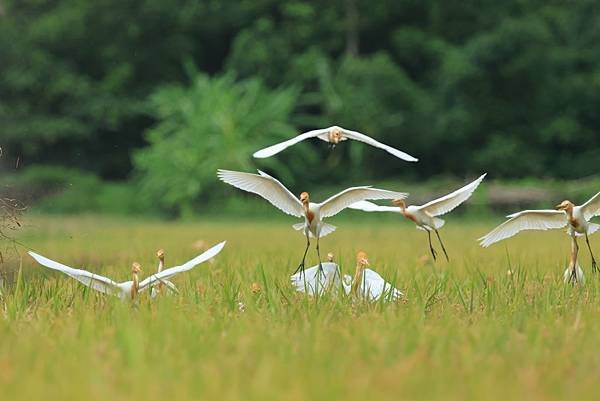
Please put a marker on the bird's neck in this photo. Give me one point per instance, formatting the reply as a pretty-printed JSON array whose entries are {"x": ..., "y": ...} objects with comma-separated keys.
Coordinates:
[
  {"x": 135, "y": 286},
  {"x": 161, "y": 265},
  {"x": 357, "y": 281}
]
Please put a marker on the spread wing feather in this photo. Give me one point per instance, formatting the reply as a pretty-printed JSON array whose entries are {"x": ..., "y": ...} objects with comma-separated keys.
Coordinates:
[
  {"x": 525, "y": 220},
  {"x": 449, "y": 202},
  {"x": 266, "y": 186},
  {"x": 94, "y": 281},
  {"x": 170, "y": 272},
  {"x": 344, "y": 199}
]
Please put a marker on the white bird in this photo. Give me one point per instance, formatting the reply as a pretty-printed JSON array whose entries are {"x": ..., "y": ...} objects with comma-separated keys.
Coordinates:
[
  {"x": 313, "y": 213},
  {"x": 318, "y": 280},
  {"x": 368, "y": 284},
  {"x": 159, "y": 288},
  {"x": 128, "y": 288},
  {"x": 425, "y": 216},
  {"x": 333, "y": 135},
  {"x": 575, "y": 218}
]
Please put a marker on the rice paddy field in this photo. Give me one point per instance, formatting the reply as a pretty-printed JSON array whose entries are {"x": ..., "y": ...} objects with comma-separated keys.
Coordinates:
[{"x": 495, "y": 323}]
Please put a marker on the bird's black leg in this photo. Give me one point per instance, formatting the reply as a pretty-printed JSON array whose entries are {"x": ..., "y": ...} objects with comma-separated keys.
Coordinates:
[
  {"x": 594, "y": 266},
  {"x": 442, "y": 244},
  {"x": 301, "y": 266},
  {"x": 319, "y": 255},
  {"x": 433, "y": 252}
]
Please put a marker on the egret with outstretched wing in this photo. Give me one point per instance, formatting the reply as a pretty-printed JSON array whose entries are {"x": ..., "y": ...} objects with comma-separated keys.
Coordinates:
[
  {"x": 128, "y": 288},
  {"x": 313, "y": 213},
  {"x": 575, "y": 218},
  {"x": 333, "y": 135},
  {"x": 425, "y": 216}
]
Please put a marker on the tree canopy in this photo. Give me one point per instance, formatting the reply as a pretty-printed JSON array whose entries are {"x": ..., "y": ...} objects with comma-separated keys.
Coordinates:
[{"x": 510, "y": 87}]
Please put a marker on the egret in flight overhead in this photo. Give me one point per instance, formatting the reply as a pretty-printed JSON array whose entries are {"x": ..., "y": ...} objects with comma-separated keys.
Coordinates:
[
  {"x": 333, "y": 135},
  {"x": 368, "y": 284},
  {"x": 313, "y": 213},
  {"x": 425, "y": 216},
  {"x": 128, "y": 288},
  {"x": 566, "y": 214}
]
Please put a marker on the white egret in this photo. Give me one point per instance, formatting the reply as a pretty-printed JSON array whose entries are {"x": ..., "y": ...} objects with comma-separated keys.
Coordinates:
[
  {"x": 425, "y": 216},
  {"x": 368, "y": 284},
  {"x": 333, "y": 135},
  {"x": 566, "y": 214},
  {"x": 128, "y": 288},
  {"x": 279, "y": 196},
  {"x": 318, "y": 280},
  {"x": 159, "y": 288}
]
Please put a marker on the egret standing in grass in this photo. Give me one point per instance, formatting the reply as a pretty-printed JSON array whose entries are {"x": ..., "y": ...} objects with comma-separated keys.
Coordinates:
[
  {"x": 425, "y": 216},
  {"x": 333, "y": 135},
  {"x": 566, "y": 214},
  {"x": 367, "y": 283},
  {"x": 128, "y": 288},
  {"x": 313, "y": 213}
]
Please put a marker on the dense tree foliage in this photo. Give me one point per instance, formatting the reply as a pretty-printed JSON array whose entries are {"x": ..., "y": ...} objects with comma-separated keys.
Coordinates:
[{"x": 510, "y": 87}]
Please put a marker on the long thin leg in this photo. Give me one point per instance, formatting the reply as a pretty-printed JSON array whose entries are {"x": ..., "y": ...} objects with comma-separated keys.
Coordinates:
[
  {"x": 594, "y": 266},
  {"x": 433, "y": 252},
  {"x": 442, "y": 244},
  {"x": 319, "y": 255},
  {"x": 301, "y": 266},
  {"x": 574, "y": 253}
]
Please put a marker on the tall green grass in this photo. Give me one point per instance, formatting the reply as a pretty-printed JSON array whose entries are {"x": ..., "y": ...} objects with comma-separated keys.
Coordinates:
[{"x": 491, "y": 324}]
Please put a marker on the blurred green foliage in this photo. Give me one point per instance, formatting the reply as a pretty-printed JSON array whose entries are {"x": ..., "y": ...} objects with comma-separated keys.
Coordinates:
[
  {"x": 510, "y": 87},
  {"x": 208, "y": 125}
]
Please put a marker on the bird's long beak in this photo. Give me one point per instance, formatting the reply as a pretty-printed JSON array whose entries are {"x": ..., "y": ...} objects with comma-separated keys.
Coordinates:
[{"x": 559, "y": 207}]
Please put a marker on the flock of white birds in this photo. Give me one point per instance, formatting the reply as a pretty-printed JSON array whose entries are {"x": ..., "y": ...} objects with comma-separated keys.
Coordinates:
[{"x": 326, "y": 277}]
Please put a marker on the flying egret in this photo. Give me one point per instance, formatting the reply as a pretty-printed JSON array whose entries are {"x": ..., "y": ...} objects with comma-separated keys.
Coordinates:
[
  {"x": 368, "y": 283},
  {"x": 566, "y": 214},
  {"x": 317, "y": 280},
  {"x": 128, "y": 288},
  {"x": 279, "y": 196},
  {"x": 333, "y": 135},
  {"x": 425, "y": 216}
]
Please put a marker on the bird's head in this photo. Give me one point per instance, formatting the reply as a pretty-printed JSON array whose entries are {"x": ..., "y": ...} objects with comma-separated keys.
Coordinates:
[
  {"x": 304, "y": 198},
  {"x": 161, "y": 254},
  {"x": 565, "y": 205},
  {"x": 400, "y": 203},
  {"x": 335, "y": 136},
  {"x": 136, "y": 268},
  {"x": 362, "y": 259},
  {"x": 330, "y": 257}
]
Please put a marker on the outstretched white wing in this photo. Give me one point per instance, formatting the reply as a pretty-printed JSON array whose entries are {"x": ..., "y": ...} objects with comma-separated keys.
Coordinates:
[
  {"x": 94, "y": 281},
  {"x": 525, "y": 220},
  {"x": 266, "y": 186},
  {"x": 357, "y": 136},
  {"x": 344, "y": 199},
  {"x": 274, "y": 149},
  {"x": 591, "y": 208},
  {"x": 447, "y": 203},
  {"x": 165, "y": 274},
  {"x": 367, "y": 206},
  {"x": 373, "y": 287}
]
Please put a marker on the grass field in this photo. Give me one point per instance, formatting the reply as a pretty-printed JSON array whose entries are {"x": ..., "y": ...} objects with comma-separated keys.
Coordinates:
[{"x": 491, "y": 324}]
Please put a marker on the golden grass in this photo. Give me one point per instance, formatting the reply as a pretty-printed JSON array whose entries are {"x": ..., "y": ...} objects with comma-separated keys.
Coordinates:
[{"x": 467, "y": 330}]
